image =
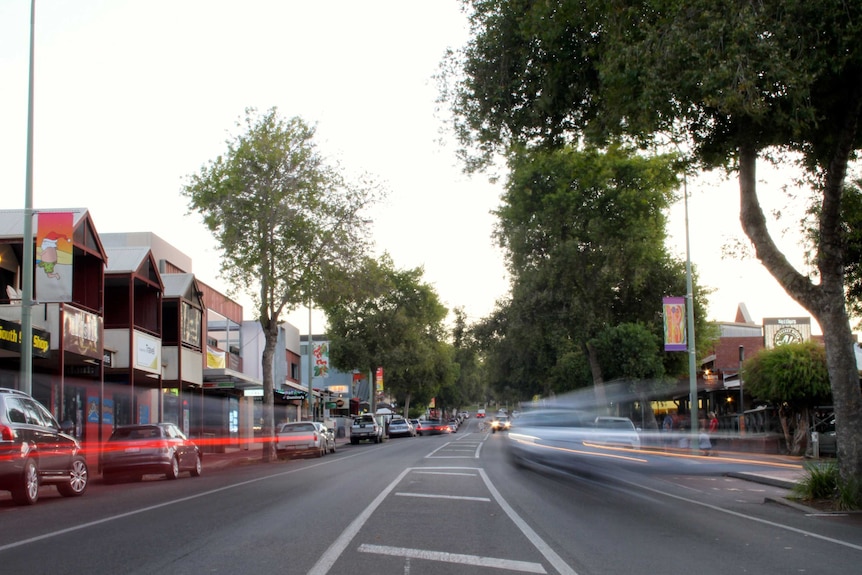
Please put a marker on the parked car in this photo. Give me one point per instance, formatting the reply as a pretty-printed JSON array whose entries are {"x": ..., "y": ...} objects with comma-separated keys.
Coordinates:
[
  {"x": 328, "y": 436},
  {"x": 434, "y": 427},
  {"x": 453, "y": 425},
  {"x": 401, "y": 427},
  {"x": 415, "y": 423},
  {"x": 500, "y": 423},
  {"x": 364, "y": 427},
  {"x": 35, "y": 451},
  {"x": 145, "y": 449},
  {"x": 301, "y": 438}
]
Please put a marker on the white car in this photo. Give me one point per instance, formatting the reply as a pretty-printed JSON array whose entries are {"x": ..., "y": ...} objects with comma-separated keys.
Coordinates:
[{"x": 401, "y": 427}]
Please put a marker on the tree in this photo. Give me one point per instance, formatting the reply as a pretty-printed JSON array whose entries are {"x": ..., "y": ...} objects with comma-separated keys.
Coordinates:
[
  {"x": 734, "y": 82},
  {"x": 391, "y": 319},
  {"x": 584, "y": 234},
  {"x": 795, "y": 378},
  {"x": 285, "y": 220}
]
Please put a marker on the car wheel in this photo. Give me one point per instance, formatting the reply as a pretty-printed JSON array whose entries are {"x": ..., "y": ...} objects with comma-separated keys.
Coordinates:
[
  {"x": 322, "y": 451},
  {"x": 78, "y": 479},
  {"x": 174, "y": 470},
  {"x": 353, "y": 441},
  {"x": 333, "y": 449},
  {"x": 196, "y": 470},
  {"x": 27, "y": 492}
]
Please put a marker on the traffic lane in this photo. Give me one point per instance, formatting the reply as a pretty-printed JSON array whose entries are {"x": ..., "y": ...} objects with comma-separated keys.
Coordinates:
[
  {"x": 435, "y": 519},
  {"x": 256, "y": 518},
  {"x": 622, "y": 521}
]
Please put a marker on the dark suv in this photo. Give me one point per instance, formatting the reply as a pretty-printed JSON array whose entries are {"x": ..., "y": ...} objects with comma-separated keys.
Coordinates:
[{"x": 34, "y": 451}]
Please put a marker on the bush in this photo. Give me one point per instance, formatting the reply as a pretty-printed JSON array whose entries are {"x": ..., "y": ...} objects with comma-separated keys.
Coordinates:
[{"x": 823, "y": 483}]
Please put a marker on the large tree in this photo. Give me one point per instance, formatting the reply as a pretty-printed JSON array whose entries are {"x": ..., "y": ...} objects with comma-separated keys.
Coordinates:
[
  {"x": 584, "y": 235},
  {"x": 285, "y": 219},
  {"x": 389, "y": 318},
  {"x": 733, "y": 82}
]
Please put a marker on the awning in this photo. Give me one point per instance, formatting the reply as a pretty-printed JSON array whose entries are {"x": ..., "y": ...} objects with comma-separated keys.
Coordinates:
[{"x": 224, "y": 378}]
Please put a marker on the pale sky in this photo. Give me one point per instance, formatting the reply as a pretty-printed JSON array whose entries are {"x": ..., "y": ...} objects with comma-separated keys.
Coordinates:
[{"x": 133, "y": 96}]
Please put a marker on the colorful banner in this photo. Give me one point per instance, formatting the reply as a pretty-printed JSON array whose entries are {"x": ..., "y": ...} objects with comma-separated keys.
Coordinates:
[
  {"x": 675, "y": 336},
  {"x": 54, "y": 256},
  {"x": 379, "y": 380},
  {"x": 321, "y": 360}
]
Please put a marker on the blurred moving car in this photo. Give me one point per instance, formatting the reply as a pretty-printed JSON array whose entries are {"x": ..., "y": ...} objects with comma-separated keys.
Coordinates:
[
  {"x": 154, "y": 448},
  {"x": 617, "y": 431},
  {"x": 35, "y": 451},
  {"x": 401, "y": 427},
  {"x": 500, "y": 423},
  {"x": 560, "y": 437},
  {"x": 434, "y": 427}
]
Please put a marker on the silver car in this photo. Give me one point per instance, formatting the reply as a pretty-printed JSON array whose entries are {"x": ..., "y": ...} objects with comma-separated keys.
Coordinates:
[
  {"x": 328, "y": 436},
  {"x": 401, "y": 427}
]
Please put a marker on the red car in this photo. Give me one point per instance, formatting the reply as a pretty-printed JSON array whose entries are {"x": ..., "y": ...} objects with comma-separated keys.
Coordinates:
[{"x": 433, "y": 427}]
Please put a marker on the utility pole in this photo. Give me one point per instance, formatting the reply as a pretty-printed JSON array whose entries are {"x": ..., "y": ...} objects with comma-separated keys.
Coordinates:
[{"x": 28, "y": 256}]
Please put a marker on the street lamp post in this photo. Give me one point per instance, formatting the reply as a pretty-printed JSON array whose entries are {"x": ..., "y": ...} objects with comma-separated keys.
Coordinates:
[{"x": 27, "y": 265}]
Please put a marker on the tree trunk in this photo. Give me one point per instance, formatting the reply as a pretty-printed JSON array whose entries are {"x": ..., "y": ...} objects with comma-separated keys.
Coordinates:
[
  {"x": 824, "y": 301},
  {"x": 268, "y": 427},
  {"x": 598, "y": 379}
]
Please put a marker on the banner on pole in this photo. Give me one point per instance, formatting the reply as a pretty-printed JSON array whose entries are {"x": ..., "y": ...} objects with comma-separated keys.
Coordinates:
[{"x": 675, "y": 335}]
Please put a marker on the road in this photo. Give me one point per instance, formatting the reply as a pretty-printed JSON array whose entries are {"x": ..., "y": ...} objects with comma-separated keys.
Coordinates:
[{"x": 442, "y": 504}]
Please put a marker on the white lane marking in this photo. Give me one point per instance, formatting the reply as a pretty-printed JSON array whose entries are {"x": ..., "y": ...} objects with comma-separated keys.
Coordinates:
[
  {"x": 167, "y": 503},
  {"x": 331, "y": 555},
  {"x": 561, "y": 566},
  {"x": 433, "y": 496},
  {"x": 328, "y": 559},
  {"x": 441, "y": 556},
  {"x": 749, "y": 517},
  {"x": 443, "y": 473}
]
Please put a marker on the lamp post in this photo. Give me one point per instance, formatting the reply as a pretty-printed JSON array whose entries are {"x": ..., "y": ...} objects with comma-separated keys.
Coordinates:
[
  {"x": 27, "y": 264},
  {"x": 689, "y": 308},
  {"x": 741, "y": 409}
]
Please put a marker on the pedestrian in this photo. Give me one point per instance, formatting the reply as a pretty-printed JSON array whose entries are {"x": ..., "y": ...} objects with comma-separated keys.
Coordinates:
[
  {"x": 704, "y": 443},
  {"x": 713, "y": 423},
  {"x": 713, "y": 428}
]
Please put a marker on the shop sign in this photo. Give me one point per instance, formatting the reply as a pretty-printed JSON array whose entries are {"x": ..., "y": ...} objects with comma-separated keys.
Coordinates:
[
  {"x": 82, "y": 332},
  {"x": 11, "y": 336}
]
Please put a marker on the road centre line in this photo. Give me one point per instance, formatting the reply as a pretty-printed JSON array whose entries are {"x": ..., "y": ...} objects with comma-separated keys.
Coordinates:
[
  {"x": 433, "y": 496},
  {"x": 461, "y": 559}
]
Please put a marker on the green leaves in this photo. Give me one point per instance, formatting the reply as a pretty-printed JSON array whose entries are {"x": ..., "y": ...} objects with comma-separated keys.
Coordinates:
[{"x": 794, "y": 373}]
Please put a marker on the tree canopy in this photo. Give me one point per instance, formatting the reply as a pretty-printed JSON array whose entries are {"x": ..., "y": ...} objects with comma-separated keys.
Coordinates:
[
  {"x": 732, "y": 82},
  {"x": 391, "y": 319},
  {"x": 285, "y": 218},
  {"x": 585, "y": 240}
]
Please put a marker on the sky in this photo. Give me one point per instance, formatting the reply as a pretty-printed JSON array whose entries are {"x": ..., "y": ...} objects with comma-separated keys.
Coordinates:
[{"x": 132, "y": 97}]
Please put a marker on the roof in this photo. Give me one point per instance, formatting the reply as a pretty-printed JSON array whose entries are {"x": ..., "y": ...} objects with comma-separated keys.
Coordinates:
[
  {"x": 178, "y": 285},
  {"x": 125, "y": 260}
]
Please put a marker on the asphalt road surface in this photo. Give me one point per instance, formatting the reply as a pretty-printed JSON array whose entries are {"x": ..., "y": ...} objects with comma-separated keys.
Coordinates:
[{"x": 441, "y": 504}]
